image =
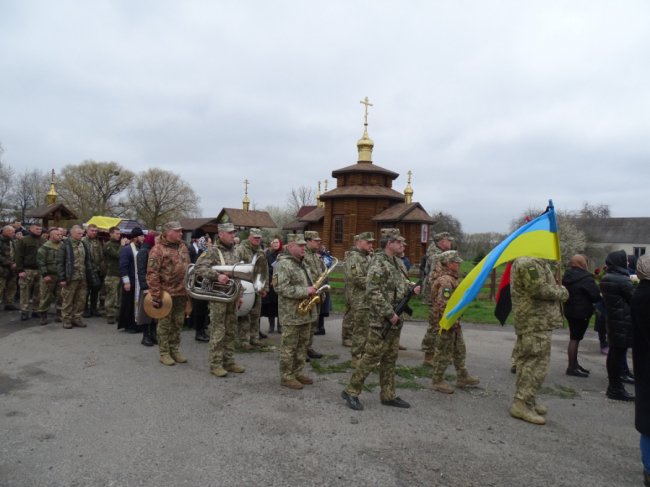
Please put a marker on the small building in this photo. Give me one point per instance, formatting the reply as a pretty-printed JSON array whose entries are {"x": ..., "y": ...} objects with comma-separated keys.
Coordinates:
[
  {"x": 629, "y": 234},
  {"x": 52, "y": 213}
]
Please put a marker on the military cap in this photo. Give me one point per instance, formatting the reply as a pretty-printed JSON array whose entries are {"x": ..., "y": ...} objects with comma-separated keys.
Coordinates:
[
  {"x": 312, "y": 235},
  {"x": 226, "y": 227},
  {"x": 297, "y": 238},
  {"x": 367, "y": 236},
  {"x": 255, "y": 232},
  {"x": 437, "y": 237},
  {"x": 169, "y": 226},
  {"x": 392, "y": 234},
  {"x": 137, "y": 232},
  {"x": 449, "y": 256}
]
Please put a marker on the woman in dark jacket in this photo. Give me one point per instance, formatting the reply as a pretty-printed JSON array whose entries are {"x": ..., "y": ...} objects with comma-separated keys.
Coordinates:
[
  {"x": 583, "y": 293},
  {"x": 270, "y": 301},
  {"x": 148, "y": 324},
  {"x": 617, "y": 290},
  {"x": 640, "y": 307}
]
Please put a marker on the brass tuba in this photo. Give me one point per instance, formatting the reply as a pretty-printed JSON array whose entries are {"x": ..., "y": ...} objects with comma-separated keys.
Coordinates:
[
  {"x": 306, "y": 305},
  {"x": 203, "y": 288}
]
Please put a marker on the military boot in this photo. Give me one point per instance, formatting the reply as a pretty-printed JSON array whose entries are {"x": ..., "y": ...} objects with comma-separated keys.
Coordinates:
[
  {"x": 442, "y": 386},
  {"x": 219, "y": 371},
  {"x": 466, "y": 380},
  {"x": 166, "y": 359},
  {"x": 44, "y": 318},
  {"x": 236, "y": 368},
  {"x": 540, "y": 409},
  {"x": 306, "y": 380},
  {"x": 428, "y": 360},
  {"x": 178, "y": 357},
  {"x": 291, "y": 384},
  {"x": 67, "y": 325},
  {"x": 520, "y": 410},
  {"x": 24, "y": 316}
]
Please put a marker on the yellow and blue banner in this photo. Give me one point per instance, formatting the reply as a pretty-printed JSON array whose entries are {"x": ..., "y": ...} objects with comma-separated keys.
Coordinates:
[{"x": 537, "y": 238}]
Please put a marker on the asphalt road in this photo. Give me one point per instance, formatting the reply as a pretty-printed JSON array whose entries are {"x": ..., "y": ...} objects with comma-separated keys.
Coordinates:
[{"x": 93, "y": 407}]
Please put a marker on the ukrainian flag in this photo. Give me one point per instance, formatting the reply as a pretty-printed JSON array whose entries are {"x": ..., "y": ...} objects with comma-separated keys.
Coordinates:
[{"x": 537, "y": 238}]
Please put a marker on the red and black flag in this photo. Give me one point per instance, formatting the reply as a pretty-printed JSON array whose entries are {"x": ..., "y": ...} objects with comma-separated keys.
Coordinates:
[{"x": 504, "y": 302}]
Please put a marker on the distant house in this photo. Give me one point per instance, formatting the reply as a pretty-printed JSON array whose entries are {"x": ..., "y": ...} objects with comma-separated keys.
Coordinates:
[{"x": 629, "y": 234}]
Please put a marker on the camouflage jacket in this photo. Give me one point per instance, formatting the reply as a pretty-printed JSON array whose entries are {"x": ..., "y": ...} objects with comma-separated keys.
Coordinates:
[
  {"x": 536, "y": 296},
  {"x": 441, "y": 290},
  {"x": 25, "y": 253},
  {"x": 386, "y": 286},
  {"x": 314, "y": 264},
  {"x": 431, "y": 271},
  {"x": 245, "y": 253},
  {"x": 112, "y": 258},
  {"x": 356, "y": 274},
  {"x": 96, "y": 253},
  {"x": 6, "y": 256},
  {"x": 166, "y": 268},
  {"x": 218, "y": 254},
  {"x": 46, "y": 257},
  {"x": 290, "y": 283}
]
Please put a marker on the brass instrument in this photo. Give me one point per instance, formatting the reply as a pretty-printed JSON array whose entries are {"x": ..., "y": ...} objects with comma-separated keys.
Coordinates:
[
  {"x": 306, "y": 305},
  {"x": 203, "y": 288}
]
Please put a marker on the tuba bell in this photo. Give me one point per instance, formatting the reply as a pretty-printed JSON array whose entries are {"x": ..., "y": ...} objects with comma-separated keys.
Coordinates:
[{"x": 206, "y": 289}]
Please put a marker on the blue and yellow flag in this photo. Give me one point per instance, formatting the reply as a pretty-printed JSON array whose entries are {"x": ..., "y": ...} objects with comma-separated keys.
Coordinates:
[{"x": 537, "y": 238}]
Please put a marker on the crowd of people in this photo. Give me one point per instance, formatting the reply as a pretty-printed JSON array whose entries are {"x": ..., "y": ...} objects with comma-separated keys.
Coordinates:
[{"x": 83, "y": 276}]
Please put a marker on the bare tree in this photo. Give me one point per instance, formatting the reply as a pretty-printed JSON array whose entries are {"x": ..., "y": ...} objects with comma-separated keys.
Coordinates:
[
  {"x": 478, "y": 245},
  {"x": 29, "y": 191},
  {"x": 297, "y": 198},
  {"x": 599, "y": 210},
  {"x": 157, "y": 196},
  {"x": 6, "y": 178},
  {"x": 444, "y": 222},
  {"x": 92, "y": 188}
]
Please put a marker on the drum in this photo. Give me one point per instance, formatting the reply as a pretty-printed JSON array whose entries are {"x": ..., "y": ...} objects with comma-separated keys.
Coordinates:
[{"x": 248, "y": 298}]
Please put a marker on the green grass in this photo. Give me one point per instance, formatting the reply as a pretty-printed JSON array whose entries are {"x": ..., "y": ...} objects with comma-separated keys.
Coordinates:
[{"x": 563, "y": 392}]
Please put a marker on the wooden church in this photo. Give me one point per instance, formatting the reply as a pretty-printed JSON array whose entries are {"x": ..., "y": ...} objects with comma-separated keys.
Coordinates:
[{"x": 364, "y": 200}]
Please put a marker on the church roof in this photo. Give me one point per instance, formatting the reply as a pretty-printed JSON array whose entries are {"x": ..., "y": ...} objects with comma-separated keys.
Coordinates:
[
  {"x": 313, "y": 216},
  {"x": 364, "y": 167},
  {"x": 305, "y": 209},
  {"x": 404, "y": 212},
  {"x": 363, "y": 192},
  {"x": 207, "y": 224},
  {"x": 248, "y": 219},
  {"x": 48, "y": 212}
]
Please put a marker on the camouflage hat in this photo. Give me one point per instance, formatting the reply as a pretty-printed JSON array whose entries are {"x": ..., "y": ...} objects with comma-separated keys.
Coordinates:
[
  {"x": 437, "y": 237},
  {"x": 392, "y": 234},
  {"x": 255, "y": 232},
  {"x": 226, "y": 227},
  {"x": 312, "y": 235},
  {"x": 167, "y": 226},
  {"x": 297, "y": 238},
  {"x": 367, "y": 236},
  {"x": 449, "y": 256}
]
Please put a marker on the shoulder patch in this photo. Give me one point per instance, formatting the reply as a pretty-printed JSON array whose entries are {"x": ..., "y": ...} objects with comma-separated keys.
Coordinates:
[
  {"x": 446, "y": 293},
  {"x": 533, "y": 272}
]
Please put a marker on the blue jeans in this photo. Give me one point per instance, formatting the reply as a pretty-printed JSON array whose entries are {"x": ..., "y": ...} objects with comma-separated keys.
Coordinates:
[{"x": 645, "y": 452}]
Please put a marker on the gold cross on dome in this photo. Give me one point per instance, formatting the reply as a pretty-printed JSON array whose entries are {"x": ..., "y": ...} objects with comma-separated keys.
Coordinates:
[
  {"x": 246, "y": 183},
  {"x": 367, "y": 104}
]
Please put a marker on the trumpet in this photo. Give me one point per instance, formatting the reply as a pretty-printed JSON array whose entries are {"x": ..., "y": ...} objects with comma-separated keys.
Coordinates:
[{"x": 306, "y": 305}]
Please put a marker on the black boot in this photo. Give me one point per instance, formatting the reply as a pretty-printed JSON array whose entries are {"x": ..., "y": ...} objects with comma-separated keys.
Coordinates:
[
  {"x": 154, "y": 332},
  {"x": 146, "y": 336},
  {"x": 201, "y": 336},
  {"x": 44, "y": 318},
  {"x": 619, "y": 394}
]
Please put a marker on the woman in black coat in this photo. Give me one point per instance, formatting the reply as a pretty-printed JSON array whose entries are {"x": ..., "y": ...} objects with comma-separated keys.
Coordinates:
[
  {"x": 617, "y": 289},
  {"x": 640, "y": 307},
  {"x": 583, "y": 293},
  {"x": 270, "y": 301}
]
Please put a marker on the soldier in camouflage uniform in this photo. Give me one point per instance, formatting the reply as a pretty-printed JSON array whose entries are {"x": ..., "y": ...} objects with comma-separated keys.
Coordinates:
[
  {"x": 293, "y": 284},
  {"x": 7, "y": 267},
  {"x": 223, "y": 316},
  {"x": 450, "y": 345},
  {"x": 168, "y": 261},
  {"x": 357, "y": 261},
  {"x": 536, "y": 306},
  {"x": 249, "y": 325},
  {"x": 386, "y": 286},
  {"x": 316, "y": 267},
  {"x": 112, "y": 281},
  {"x": 442, "y": 242},
  {"x": 75, "y": 273},
  {"x": 49, "y": 292},
  {"x": 27, "y": 268},
  {"x": 97, "y": 254}
]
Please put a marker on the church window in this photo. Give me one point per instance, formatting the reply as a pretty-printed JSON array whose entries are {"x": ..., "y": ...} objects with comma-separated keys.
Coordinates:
[{"x": 338, "y": 229}]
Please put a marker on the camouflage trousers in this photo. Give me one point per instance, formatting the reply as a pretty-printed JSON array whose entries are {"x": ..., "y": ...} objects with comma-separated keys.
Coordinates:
[
  {"x": 293, "y": 350},
  {"x": 223, "y": 333},
  {"x": 450, "y": 347},
  {"x": 30, "y": 287},
  {"x": 50, "y": 292},
  {"x": 533, "y": 355},
  {"x": 170, "y": 327},
  {"x": 74, "y": 301},
  {"x": 112, "y": 286},
  {"x": 360, "y": 327},
  {"x": 8, "y": 288},
  {"x": 249, "y": 325},
  {"x": 431, "y": 335},
  {"x": 377, "y": 351},
  {"x": 347, "y": 326}
]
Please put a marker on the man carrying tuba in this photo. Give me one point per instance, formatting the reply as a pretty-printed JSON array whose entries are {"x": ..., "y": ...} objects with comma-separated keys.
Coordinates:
[
  {"x": 223, "y": 315},
  {"x": 166, "y": 267}
]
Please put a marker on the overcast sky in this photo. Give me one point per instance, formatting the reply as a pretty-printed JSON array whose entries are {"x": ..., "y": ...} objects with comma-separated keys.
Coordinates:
[{"x": 495, "y": 105}]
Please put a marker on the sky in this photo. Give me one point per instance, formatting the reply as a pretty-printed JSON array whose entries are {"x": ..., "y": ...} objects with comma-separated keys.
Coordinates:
[{"x": 496, "y": 106}]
